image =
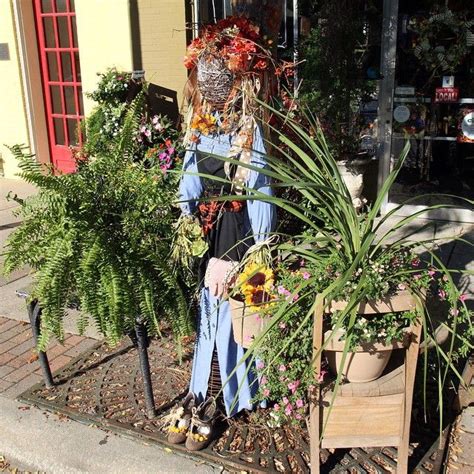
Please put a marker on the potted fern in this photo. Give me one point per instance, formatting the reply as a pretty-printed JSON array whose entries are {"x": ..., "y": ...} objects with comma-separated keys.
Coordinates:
[{"x": 101, "y": 236}]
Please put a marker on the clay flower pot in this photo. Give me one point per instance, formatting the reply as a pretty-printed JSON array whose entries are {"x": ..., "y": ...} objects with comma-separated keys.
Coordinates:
[
  {"x": 364, "y": 363},
  {"x": 367, "y": 361}
]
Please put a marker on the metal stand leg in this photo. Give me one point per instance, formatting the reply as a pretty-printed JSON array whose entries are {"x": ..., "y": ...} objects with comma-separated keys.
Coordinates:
[
  {"x": 34, "y": 313},
  {"x": 142, "y": 345}
]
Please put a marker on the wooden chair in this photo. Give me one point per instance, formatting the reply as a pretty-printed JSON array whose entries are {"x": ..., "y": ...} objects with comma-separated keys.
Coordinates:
[{"x": 369, "y": 414}]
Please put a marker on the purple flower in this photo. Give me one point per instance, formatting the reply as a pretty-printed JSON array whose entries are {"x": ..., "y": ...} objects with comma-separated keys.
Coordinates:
[{"x": 306, "y": 275}]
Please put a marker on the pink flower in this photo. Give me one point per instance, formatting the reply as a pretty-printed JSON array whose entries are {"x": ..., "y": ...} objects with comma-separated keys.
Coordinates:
[
  {"x": 266, "y": 393},
  {"x": 293, "y": 386},
  {"x": 276, "y": 407},
  {"x": 158, "y": 127},
  {"x": 282, "y": 368},
  {"x": 431, "y": 273},
  {"x": 417, "y": 276},
  {"x": 282, "y": 325},
  {"x": 415, "y": 262},
  {"x": 147, "y": 133},
  {"x": 321, "y": 375},
  {"x": 442, "y": 294},
  {"x": 285, "y": 400},
  {"x": 264, "y": 380},
  {"x": 302, "y": 263},
  {"x": 260, "y": 364},
  {"x": 299, "y": 403},
  {"x": 296, "y": 297},
  {"x": 298, "y": 416},
  {"x": 402, "y": 287},
  {"x": 463, "y": 298},
  {"x": 281, "y": 290},
  {"x": 453, "y": 312},
  {"x": 306, "y": 275},
  {"x": 288, "y": 409}
]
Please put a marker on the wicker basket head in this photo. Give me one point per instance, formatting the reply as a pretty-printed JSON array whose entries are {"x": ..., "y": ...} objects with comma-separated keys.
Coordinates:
[{"x": 214, "y": 80}]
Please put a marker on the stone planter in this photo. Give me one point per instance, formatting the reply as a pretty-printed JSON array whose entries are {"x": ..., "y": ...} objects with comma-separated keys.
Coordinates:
[
  {"x": 367, "y": 361},
  {"x": 246, "y": 325},
  {"x": 352, "y": 173}
]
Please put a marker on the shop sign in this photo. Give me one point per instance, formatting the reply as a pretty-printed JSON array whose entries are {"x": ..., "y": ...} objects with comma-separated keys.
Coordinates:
[
  {"x": 447, "y": 94},
  {"x": 404, "y": 90},
  {"x": 401, "y": 113}
]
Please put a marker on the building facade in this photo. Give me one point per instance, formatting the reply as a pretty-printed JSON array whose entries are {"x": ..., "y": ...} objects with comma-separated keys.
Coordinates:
[{"x": 51, "y": 52}]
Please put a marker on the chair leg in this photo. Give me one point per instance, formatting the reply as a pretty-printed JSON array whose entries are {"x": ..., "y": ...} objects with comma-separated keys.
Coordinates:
[{"x": 402, "y": 457}]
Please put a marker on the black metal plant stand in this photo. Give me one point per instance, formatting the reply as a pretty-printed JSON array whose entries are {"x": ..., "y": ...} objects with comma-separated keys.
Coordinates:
[
  {"x": 34, "y": 313},
  {"x": 142, "y": 347}
]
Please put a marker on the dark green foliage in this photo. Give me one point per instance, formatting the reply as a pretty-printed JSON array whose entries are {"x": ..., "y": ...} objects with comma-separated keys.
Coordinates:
[{"x": 102, "y": 236}]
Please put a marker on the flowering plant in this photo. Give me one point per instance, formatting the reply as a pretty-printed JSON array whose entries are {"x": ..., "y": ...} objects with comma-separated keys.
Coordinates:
[
  {"x": 286, "y": 375},
  {"x": 236, "y": 40},
  {"x": 113, "y": 87}
]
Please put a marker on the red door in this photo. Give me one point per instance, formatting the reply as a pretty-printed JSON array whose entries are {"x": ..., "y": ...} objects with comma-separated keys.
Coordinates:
[{"x": 61, "y": 75}]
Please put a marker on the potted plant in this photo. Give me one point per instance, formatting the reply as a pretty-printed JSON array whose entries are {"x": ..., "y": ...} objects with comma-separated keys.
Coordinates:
[
  {"x": 335, "y": 84},
  {"x": 342, "y": 262},
  {"x": 102, "y": 235}
]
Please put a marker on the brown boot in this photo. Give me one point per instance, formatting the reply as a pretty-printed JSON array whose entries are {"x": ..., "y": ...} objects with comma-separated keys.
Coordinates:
[
  {"x": 201, "y": 430},
  {"x": 180, "y": 419}
]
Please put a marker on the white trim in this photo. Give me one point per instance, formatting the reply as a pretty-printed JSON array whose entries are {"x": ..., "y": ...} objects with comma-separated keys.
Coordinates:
[
  {"x": 449, "y": 214},
  {"x": 24, "y": 75}
]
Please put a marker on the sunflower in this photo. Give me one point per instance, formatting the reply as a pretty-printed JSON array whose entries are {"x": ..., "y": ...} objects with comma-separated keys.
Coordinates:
[{"x": 255, "y": 277}]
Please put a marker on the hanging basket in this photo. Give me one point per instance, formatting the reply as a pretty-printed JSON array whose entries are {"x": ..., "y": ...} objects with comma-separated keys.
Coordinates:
[
  {"x": 246, "y": 324},
  {"x": 214, "y": 80}
]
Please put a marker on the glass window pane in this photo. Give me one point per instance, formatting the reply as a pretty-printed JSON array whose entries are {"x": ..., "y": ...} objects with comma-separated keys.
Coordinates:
[
  {"x": 46, "y": 6},
  {"x": 69, "y": 99},
  {"x": 61, "y": 6},
  {"x": 52, "y": 66},
  {"x": 73, "y": 131},
  {"x": 74, "y": 31},
  {"x": 56, "y": 99},
  {"x": 59, "y": 131},
  {"x": 78, "y": 67},
  {"x": 49, "y": 32},
  {"x": 63, "y": 31},
  {"x": 66, "y": 67}
]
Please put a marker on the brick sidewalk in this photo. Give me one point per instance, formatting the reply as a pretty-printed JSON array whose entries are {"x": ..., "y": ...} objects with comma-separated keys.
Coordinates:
[{"x": 19, "y": 368}]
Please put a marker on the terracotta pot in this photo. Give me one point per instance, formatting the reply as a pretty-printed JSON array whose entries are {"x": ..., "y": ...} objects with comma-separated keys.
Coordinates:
[
  {"x": 364, "y": 364},
  {"x": 367, "y": 361},
  {"x": 246, "y": 325}
]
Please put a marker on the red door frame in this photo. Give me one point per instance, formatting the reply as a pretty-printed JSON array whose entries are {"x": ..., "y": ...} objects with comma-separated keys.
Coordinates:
[{"x": 61, "y": 153}]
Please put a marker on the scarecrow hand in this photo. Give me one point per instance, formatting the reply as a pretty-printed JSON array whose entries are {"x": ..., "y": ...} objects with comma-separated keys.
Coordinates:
[{"x": 218, "y": 276}]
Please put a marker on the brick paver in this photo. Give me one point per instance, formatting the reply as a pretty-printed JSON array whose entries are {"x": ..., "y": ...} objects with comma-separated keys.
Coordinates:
[{"x": 19, "y": 367}]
